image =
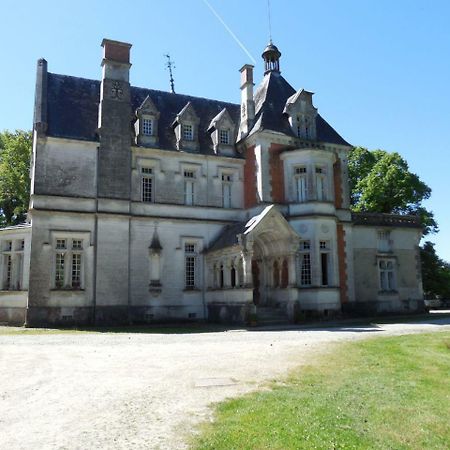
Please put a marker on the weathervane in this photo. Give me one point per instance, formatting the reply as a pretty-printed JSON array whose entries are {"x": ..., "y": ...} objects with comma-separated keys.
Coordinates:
[
  {"x": 170, "y": 65},
  {"x": 270, "y": 22}
]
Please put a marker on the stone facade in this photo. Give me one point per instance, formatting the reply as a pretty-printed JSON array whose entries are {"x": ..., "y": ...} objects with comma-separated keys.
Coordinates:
[{"x": 150, "y": 206}]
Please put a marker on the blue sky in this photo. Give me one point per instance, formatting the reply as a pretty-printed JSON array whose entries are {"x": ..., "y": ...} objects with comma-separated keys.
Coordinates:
[{"x": 380, "y": 69}]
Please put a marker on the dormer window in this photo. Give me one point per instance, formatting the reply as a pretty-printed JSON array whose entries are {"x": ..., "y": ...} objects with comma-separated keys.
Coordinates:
[
  {"x": 188, "y": 132},
  {"x": 147, "y": 126},
  {"x": 222, "y": 130},
  {"x": 224, "y": 137},
  {"x": 302, "y": 114},
  {"x": 186, "y": 128}
]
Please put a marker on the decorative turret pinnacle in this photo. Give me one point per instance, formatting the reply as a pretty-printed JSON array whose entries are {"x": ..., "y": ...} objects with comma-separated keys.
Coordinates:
[{"x": 271, "y": 56}]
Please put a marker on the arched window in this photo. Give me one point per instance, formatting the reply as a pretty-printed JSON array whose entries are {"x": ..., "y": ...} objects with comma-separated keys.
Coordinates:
[
  {"x": 284, "y": 274},
  {"x": 221, "y": 276},
  {"x": 233, "y": 277},
  {"x": 276, "y": 274}
]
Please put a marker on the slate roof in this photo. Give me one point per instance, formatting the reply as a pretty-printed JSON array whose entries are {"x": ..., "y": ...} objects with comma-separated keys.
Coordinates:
[
  {"x": 72, "y": 110},
  {"x": 270, "y": 100}
]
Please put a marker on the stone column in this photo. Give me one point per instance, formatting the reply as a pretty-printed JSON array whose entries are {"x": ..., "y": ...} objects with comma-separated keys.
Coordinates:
[
  {"x": 247, "y": 268},
  {"x": 292, "y": 269}
]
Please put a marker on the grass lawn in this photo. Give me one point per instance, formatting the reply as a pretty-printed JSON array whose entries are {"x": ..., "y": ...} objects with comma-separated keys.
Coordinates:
[{"x": 382, "y": 393}]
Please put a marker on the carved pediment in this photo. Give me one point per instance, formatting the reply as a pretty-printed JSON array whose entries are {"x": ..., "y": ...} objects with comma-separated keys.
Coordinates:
[
  {"x": 186, "y": 115},
  {"x": 222, "y": 120},
  {"x": 148, "y": 108}
]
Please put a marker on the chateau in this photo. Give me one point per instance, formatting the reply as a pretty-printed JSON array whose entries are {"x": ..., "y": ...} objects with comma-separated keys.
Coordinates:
[{"x": 150, "y": 206}]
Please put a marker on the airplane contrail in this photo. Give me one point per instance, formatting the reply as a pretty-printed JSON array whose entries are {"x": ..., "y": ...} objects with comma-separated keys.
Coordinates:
[{"x": 229, "y": 30}]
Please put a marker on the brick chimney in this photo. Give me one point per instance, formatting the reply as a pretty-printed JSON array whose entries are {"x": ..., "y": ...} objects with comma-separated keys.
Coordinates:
[
  {"x": 247, "y": 102},
  {"x": 116, "y": 60}
]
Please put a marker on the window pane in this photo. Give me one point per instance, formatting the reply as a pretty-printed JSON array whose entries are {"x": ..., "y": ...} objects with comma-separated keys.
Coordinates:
[
  {"x": 224, "y": 137},
  {"x": 324, "y": 267},
  {"x": 226, "y": 195},
  {"x": 8, "y": 263},
  {"x": 60, "y": 243},
  {"x": 59, "y": 270},
  {"x": 189, "y": 192},
  {"x": 305, "y": 271},
  {"x": 190, "y": 271},
  {"x": 147, "y": 193},
  {"x": 188, "y": 132},
  {"x": 76, "y": 270},
  {"x": 147, "y": 127},
  {"x": 77, "y": 244}
]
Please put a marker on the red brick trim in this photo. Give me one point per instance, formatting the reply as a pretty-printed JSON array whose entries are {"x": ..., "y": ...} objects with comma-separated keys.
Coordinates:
[
  {"x": 337, "y": 178},
  {"x": 277, "y": 172},
  {"x": 250, "y": 193},
  {"x": 342, "y": 263}
]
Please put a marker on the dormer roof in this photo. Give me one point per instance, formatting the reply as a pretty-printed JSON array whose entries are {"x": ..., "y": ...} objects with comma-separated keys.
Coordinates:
[
  {"x": 147, "y": 107},
  {"x": 223, "y": 116},
  {"x": 186, "y": 114}
]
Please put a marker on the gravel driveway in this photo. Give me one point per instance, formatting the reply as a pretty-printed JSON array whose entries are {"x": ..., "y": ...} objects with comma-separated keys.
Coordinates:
[{"x": 114, "y": 391}]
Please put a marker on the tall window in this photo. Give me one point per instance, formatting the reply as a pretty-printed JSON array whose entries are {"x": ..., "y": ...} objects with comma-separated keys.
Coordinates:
[
  {"x": 187, "y": 132},
  {"x": 224, "y": 136},
  {"x": 301, "y": 184},
  {"x": 12, "y": 264},
  {"x": 189, "y": 187},
  {"x": 68, "y": 263},
  {"x": 384, "y": 243},
  {"x": 305, "y": 263},
  {"x": 226, "y": 190},
  {"x": 324, "y": 263},
  {"x": 8, "y": 265},
  {"x": 147, "y": 184},
  {"x": 387, "y": 275},
  {"x": 320, "y": 184},
  {"x": 147, "y": 127},
  {"x": 190, "y": 257}
]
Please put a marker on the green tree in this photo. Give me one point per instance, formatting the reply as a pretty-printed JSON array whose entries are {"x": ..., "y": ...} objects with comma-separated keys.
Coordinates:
[
  {"x": 381, "y": 182},
  {"x": 15, "y": 153},
  {"x": 435, "y": 273}
]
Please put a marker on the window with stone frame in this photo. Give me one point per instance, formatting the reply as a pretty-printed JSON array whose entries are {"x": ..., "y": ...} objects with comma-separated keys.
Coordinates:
[
  {"x": 147, "y": 126},
  {"x": 324, "y": 247},
  {"x": 305, "y": 263},
  {"x": 321, "y": 183},
  {"x": 189, "y": 186},
  {"x": 224, "y": 136},
  {"x": 12, "y": 264},
  {"x": 384, "y": 241},
  {"x": 68, "y": 263},
  {"x": 190, "y": 264},
  {"x": 386, "y": 272},
  {"x": 187, "y": 132},
  {"x": 227, "y": 180},
  {"x": 301, "y": 183},
  {"x": 147, "y": 185}
]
